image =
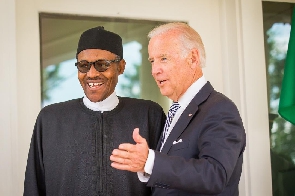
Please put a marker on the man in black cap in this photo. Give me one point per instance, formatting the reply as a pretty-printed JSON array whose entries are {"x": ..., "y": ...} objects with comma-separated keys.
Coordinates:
[{"x": 73, "y": 140}]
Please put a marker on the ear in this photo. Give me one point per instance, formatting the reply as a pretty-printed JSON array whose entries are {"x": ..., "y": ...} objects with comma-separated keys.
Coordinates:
[
  {"x": 121, "y": 66},
  {"x": 194, "y": 58}
]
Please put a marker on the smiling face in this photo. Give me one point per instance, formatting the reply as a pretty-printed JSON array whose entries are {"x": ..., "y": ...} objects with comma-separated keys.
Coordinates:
[
  {"x": 98, "y": 86},
  {"x": 173, "y": 70}
]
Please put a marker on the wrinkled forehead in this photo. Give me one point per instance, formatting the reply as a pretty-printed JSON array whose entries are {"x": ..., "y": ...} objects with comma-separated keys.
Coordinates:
[{"x": 163, "y": 47}]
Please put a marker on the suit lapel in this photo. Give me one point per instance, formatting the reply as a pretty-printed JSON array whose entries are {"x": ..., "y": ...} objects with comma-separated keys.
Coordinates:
[{"x": 186, "y": 117}]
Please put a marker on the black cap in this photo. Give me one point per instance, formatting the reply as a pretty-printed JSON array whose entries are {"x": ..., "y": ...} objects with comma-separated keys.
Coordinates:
[{"x": 98, "y": 38}]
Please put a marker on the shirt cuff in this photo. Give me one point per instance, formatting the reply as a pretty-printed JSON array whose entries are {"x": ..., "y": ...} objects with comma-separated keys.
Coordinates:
[{"x": 148, "y": 168}]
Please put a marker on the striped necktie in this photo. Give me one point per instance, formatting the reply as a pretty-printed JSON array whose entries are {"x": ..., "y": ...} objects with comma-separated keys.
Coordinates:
[{"x": 173, "y": 108}]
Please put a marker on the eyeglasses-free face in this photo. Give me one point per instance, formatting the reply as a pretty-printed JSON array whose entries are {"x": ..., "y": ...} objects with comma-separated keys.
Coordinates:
[{"x": 100, "y": 65}]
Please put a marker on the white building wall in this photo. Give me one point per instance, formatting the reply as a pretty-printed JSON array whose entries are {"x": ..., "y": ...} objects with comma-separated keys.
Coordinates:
[{"x": 8, "y": 101}]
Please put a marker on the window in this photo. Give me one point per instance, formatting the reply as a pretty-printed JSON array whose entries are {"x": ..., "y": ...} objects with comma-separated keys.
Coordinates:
[
  {"x": 277, "y": 17},
  {"x": 59, "y": 39}
]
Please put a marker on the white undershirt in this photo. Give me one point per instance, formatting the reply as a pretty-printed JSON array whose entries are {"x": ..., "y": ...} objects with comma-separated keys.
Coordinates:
[
  {"x": 107, "y": 104},
  {"x": 183, "y": 101}
]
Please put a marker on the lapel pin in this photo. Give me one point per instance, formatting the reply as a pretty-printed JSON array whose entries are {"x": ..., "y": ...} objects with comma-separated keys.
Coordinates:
[{"x": 190, "y": 115}]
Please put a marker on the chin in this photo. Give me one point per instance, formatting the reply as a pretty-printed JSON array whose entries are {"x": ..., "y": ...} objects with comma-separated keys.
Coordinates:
[
  {"x": 164, "y": 93},
  {"x": 93, "y": 99}
]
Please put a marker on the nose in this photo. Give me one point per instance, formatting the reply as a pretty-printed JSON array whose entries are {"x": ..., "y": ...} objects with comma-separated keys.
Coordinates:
[
  {"x": 156, "y": 69},
  {"x": 92, "y": 72}
]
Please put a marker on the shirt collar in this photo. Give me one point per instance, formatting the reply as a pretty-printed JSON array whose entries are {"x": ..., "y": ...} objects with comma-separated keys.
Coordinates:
[
  {"x": 191, "y": 92},
  {"x": 107, "y": 104}
]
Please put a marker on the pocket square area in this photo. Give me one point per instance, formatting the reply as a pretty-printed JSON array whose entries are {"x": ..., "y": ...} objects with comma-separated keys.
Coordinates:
[{"x": 177, "y": 141}]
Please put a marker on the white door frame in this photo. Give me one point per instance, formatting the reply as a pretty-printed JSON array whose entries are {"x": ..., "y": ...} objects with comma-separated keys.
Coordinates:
[{"x": 232, "y": 32}]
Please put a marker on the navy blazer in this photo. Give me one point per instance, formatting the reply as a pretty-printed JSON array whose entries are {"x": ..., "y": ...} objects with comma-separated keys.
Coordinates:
[{"x": 203, "y": 154}]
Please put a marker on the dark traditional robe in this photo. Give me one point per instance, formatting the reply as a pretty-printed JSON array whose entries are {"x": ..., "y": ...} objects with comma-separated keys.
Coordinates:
[{"x": 71, "y": 147}]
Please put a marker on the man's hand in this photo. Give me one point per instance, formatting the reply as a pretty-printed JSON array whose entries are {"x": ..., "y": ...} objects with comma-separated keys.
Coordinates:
[{"x": 131, "y": 157}]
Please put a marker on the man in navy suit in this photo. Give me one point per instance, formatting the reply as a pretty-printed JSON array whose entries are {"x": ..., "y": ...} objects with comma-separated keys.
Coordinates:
[{"x": 201, "y": 150}]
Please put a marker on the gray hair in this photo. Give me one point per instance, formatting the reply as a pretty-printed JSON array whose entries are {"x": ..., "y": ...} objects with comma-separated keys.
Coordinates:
[{"x": 188, "y": 37}]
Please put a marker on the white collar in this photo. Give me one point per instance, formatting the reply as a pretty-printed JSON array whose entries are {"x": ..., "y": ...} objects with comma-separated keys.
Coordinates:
[
  {"x": 191, "y": 92},
  {"x": 107, "y": 104}
]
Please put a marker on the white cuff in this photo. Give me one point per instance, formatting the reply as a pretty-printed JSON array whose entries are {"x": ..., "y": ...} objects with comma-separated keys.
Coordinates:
[{"x": 148, "y": 168}]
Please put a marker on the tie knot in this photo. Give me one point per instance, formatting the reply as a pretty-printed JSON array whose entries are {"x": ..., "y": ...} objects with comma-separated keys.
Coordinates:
[
  {"x": 173, "y": 108},
  {"x": 175, "y": 105}
]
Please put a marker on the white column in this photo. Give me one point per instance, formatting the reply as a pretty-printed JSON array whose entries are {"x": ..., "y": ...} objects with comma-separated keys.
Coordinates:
[
  {"x": 28, "y": 80},
  {"x": 245, "y": 83},
  {"x": 8, "y": 104}
]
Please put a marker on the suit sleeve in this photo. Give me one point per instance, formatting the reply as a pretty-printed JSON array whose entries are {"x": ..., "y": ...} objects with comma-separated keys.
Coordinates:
[
  {"x": 216, "y": 142},
  {"x": 34, "y": 177}
]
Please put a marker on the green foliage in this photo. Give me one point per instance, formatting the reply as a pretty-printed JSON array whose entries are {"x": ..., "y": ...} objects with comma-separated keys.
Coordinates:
[
  {"x": 130, "y": 87},
  {"x": 51, "y": 78},
  {"x": 282, "y": 133}
]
